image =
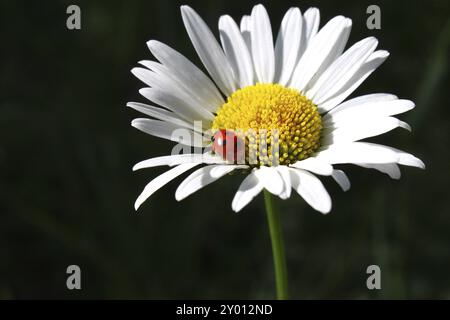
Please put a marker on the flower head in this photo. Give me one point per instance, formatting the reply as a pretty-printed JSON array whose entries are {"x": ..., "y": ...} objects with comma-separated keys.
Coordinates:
[{"x": 284, "y": 101}]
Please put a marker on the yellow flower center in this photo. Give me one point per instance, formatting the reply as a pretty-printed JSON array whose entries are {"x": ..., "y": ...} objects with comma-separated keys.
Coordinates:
[{"x": 279, "y": 125}]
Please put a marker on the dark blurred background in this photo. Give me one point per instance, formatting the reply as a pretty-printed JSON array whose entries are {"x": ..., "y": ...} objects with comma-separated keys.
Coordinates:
[{"x": 67, "y": 148}]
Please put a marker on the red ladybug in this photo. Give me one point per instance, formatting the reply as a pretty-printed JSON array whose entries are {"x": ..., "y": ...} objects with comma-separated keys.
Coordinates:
[{"x": 229, "y": 146}]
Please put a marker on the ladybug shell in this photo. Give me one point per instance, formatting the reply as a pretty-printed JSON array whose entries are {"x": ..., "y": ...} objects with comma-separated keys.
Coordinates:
[{"x": 228, "y": 145}]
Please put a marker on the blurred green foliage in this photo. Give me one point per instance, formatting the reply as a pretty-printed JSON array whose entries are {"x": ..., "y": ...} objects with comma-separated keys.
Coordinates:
[{"x": 67, "y": 148}]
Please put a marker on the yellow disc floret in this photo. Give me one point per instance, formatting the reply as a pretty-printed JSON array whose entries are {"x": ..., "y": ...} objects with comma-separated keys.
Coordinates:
[{"x": 279, "y": 125}]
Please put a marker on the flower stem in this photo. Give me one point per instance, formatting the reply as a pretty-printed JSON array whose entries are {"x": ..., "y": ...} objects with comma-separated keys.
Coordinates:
[{"x": 276, "y": 238}]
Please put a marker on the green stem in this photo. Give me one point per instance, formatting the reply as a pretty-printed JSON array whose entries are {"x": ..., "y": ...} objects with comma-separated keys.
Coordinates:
[{"x": 276, "y": 237}]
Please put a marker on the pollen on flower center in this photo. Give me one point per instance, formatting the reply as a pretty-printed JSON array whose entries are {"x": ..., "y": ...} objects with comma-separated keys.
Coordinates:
[{"x": 279, "y": 125}]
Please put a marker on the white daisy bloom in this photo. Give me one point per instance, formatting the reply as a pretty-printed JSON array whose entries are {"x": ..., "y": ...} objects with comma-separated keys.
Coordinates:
[{"x": 294, "y": 87}]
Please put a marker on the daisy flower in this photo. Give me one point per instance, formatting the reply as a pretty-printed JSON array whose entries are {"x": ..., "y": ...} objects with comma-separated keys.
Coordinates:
[
  {"x": 296, "y": 85},
  {"x": 290, "y": 93}
]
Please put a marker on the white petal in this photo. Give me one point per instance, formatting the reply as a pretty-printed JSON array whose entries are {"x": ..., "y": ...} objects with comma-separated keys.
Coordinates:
[
  {"x": 372, "y": 63},
  {"x": 270, "y": 179},
  {"x": 284, "y": 173},
  {"x": 357, "y": 152},
  {"x": 160, "y": 113},
  {"x": 202, "y": 97},
  {"x": 368, "y": 98},
  {"x": 209, "y": 50},
  {"x": 187, "y": 73},
  {"x": 341, "y": 179},
  {"x": 236, "y": 51},
  {"x": 314, "y": 165},
  {"x": 262, "y": 45},
  {"x": 248, "y": 189},
  {"x": 246, "y": 30},
  {"x": 167, "y": 85},
  {"x": 178, "y": 159},
  {"x": 391, "y": 169},
  {"x": 310, "y": 26},
  {"x": 359, "y": 129},
  {"x": 185, "y": 109},
  {"x": 343, "y": 115},
  {"x": 201, "y": 178},
  {"x": 171, "y": 87},
  {"x": 406, "y": 159},
  {"x": 311, "y": 189},
  {"x": 321, "y": 51},
  {"x": 341, "y": 70},
  {"x": 287, "y": 46},
  {"x": 365, "y": 152},
  {"x": 311, "y": 21},
  {"x": 161, "y": 181},
  {"x": 168, "y": 131}
]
